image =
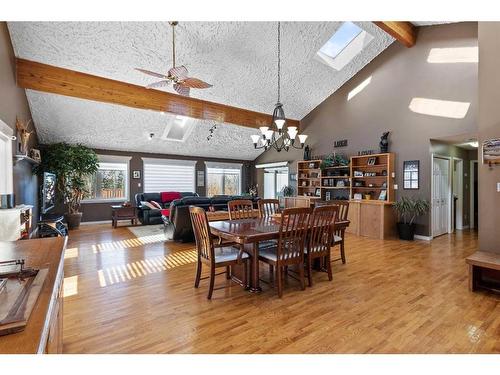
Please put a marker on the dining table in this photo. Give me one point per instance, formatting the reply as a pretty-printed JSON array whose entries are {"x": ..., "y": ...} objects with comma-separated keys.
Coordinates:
[{"x": 249, "y": 233}]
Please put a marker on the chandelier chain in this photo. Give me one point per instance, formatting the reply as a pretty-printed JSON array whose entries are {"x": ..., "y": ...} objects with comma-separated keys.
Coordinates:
[{"x": 279, "y": 61}]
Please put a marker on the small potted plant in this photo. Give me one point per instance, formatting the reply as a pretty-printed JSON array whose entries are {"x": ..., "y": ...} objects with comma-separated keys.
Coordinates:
[
  {"x": 408, "y": 209},
  {"x": 288, "y": 191},
  {"x": 72, "y": 165}
]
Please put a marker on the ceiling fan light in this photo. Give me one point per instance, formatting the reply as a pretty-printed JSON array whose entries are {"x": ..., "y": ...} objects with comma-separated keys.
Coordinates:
[{"x": 302, "y": 138}]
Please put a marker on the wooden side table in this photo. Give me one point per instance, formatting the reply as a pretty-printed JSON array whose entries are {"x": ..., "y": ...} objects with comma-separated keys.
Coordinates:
[
  {"x": 483, "y": 261},
  {"x": 123, "y": 213}
]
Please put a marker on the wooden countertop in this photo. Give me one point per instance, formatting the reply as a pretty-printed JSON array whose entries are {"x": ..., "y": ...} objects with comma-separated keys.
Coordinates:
[
  {"x": 370, "y": 201},
  {"x": 39, "y": 253}
]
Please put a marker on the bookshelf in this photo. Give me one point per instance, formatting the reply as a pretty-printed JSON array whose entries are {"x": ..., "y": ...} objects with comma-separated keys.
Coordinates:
[
  {"x": 309, "y": 178},
  {"x": 372, "y": 177},
  {"x": 335, "y": 183}
]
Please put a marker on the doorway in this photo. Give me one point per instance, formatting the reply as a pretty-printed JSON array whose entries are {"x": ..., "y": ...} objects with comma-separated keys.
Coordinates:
[
  {"x": 474, "y": 202},
  {"x": 275, "y": 179},
  {"x": 441, "y": 195},
  {"x": 458, "y": 193}
]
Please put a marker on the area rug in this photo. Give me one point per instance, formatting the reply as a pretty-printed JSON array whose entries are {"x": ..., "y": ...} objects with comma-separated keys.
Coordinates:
[{"x": 151, "y": 233}]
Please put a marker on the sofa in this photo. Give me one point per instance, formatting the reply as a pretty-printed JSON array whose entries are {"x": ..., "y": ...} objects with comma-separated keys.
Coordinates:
[
  {"x": 179, "y": 212},
  {"x": 148, "y": 216}
]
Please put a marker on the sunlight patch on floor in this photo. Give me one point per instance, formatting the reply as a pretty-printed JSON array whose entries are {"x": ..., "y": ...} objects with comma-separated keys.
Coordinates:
[
  {"x": 128, "y": 243},
  {"x": 140, "y": 268},
  {"x": 70, "y": 287},
  {"x": 71, "y": 253}
]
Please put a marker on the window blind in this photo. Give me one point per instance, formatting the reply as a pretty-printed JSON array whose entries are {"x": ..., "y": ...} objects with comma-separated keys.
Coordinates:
[{"x": 168, "y": 175}]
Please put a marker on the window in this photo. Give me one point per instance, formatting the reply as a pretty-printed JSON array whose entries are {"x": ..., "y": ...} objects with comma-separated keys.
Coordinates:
[
  {"x": 223, "y": 178},
  {"x": 168, "y": 175},
  {"x": 344, "y": 45},
  {"x": 110, "y": 182},
  {"x": 275, "y": 178},
  {"x": 6, "y": 133}
]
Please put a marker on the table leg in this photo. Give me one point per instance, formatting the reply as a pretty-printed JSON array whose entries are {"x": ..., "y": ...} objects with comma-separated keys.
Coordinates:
[{"x": 255, "y": 284}]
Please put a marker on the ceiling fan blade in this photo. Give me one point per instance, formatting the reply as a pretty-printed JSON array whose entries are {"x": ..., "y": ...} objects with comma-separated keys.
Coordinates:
[
  {"x": 158, "y": 84},
  {"x": 183, "y": 90},
  {"x": 148, "y": 72},
  {"x": 180, "y": 72},
  {"x": 195, "y": 83}
]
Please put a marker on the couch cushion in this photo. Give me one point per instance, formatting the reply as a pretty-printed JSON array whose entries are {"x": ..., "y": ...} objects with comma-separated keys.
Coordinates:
[
  {"x": 148, "y": 205},
  {"x": 169, "y": 196},
  {"x": 151, "y": 197},
  {"x": 195, "y": 201},
  {"x": 156, "y": 204}
]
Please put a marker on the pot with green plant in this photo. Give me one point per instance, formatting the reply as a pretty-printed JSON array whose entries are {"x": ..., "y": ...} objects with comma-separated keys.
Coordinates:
[
  {"x": 288, "y": 191},
  {"x": 408, "y": 209},
  {"x": 72, "y": 165}
]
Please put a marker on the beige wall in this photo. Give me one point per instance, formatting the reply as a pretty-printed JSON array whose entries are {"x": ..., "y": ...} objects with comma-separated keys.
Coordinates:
[
  {"x": 489, "y": 127},
  {"x": 397, "y": 75},
  {"x": 13, "y": 103}
]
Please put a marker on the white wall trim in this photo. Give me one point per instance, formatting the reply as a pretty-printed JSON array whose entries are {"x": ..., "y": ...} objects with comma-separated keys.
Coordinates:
[
  {"x": 6, "y": 164},
  {"x": 450, "y": 170},
  {"x": 424, "y": 238},
  {"x": 459, "y": 221},
  {"x": 272, "y": 165}
]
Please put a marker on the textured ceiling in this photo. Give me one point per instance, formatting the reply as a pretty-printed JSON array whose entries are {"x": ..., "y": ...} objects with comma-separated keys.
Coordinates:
[{"x": 238, "y": 58}]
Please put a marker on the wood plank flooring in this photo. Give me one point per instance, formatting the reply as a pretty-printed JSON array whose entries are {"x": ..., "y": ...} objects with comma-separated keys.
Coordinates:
[{"x": 130, "y": 295}]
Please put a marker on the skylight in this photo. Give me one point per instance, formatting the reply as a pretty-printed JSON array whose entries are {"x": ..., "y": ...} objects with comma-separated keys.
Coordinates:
[
  {"x": 344, "y": 45},
  {"x": 178, "y": 129}
]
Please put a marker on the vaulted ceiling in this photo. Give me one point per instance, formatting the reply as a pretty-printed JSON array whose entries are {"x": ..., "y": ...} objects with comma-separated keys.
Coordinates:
[{"x": 238, "y": 58}]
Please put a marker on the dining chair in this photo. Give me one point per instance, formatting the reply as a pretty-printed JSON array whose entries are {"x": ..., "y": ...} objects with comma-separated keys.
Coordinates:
[
  {"x": 322, "y": 228},
  {"x": 212, "y": 255},
  {"x": 241, "y": 209},
  {"x": 290, "y": 246},
  {"x": 340, "y": 227},
  {"x": 268, "y": 207}
]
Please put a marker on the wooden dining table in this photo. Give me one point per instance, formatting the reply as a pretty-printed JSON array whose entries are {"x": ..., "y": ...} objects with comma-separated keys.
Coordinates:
[{"x": 249, "y": 232}]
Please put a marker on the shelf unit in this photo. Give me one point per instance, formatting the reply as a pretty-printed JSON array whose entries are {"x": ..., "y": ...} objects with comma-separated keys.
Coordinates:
[
  {"x": 19, "y": 157},
  {"x": 383, "y": 168},
  {"x": 308, "y": 178},
  {"x": 332, "y": 180}
]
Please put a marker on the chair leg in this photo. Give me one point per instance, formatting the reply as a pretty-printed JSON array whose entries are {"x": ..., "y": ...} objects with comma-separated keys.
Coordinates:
[
  {"x": 301, "y": 275},
  {"x": 212, "y": 281},
  {"x": 246, "y": 282},
  {"x": 228, "y": 272},
  {"x": 271, "y": 271},
  {"x": 309, "y": 271},
  {"x": 279, "y": 278},
  {"x": 329, "y": 266},
  {"x": 198, "y": 275},
  {"x": 342, "y": 252}
]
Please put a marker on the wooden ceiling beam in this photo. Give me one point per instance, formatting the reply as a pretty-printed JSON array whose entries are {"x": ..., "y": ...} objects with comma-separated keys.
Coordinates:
[
  {"x": 404, "y": 32},
  {"x": 47, "y": 78}
]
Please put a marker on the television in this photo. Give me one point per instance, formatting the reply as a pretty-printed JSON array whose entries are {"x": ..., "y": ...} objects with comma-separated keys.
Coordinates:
[{"x": 48, "y": 192}]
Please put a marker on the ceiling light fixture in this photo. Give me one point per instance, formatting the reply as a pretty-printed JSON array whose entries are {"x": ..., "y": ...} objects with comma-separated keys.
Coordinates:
[{"x": 278, "y": 135}]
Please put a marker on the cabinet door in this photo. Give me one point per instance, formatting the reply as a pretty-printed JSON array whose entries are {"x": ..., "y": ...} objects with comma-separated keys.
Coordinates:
[{"x": 55, "y": 340}]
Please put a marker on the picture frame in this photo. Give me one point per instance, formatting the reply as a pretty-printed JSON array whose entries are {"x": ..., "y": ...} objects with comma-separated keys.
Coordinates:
[
  {"x": 411, "y": 175},
  {"x": 358, "y": 173},
  {"x": 35, "y": 155},
  {"x": 136, "y": 174},
  {"x": 312, "y": 166},
  {"x": 372, "y": 161},
  {"x": 383, "y": 195},
  {"x": 357, "y": 196},
  {"x": 340, "y": 183},
  {"x": 491, "y": 151},
  {"x": 317, "y": 192}
]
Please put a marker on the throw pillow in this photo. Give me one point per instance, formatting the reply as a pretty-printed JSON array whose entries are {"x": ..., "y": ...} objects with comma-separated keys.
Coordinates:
[
  {"x": 156, "y": 204},
  {"x": 148, "y": 205}
]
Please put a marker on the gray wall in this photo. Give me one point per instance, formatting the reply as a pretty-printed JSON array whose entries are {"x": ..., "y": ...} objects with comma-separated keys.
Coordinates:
[
  {"x": 13, "y": 103},
  {"x": 489, "y": 127},
  {"x": 398, "y": 75},
  {"x": 102, "y": 211}
]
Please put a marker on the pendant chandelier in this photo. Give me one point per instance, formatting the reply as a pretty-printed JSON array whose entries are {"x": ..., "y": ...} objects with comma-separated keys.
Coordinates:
[{"x": 278, "y": 136}]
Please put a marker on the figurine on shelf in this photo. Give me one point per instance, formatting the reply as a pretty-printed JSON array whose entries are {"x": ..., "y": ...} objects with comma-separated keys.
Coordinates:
[
  {"x": 384, "y": 143},
  {"x": 24, "y": 135},
  {"x": 307, "y": 153}
]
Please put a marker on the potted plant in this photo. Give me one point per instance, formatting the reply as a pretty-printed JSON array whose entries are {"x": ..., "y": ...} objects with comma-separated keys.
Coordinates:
[
  {"x": 408, "y": 209},
  {"x": 288, "y": 191},
  {"x": 72, "y": 165}
]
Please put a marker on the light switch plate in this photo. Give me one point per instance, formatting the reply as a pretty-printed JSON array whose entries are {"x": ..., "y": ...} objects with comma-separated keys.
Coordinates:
[
  {"x": 395, "y": 186},
  {"x": 498, "y": 187}
]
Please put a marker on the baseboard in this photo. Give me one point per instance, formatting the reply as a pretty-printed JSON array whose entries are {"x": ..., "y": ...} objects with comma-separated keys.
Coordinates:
[
  {"x": 424, "y": 238},
  {"x": 463, "y": 228},
  {"x": 95, "y": 222}
]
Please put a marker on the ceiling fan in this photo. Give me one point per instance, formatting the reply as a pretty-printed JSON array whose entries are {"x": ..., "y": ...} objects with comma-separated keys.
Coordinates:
[{"x": 178, "y": 75}]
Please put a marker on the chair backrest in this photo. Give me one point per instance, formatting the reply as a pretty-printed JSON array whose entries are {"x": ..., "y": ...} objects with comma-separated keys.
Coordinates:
[
  {"x": 202, "y": 235},
  {"x": 343, "y": 210},
  {"x": 322, "y": 227},
  {"x": 268, "y": 207},
  {"x": 241, "y": 209},
  {"x": 292, "y": 234}
]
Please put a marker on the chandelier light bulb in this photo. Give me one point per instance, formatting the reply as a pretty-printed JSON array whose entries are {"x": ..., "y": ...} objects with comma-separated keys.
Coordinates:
[
  {"x": 302, "y": 138},
  {"x": 255, "y": 139},
  {"x": 279, "y": 123},
  {"x": 269, "y": 134},
  {"x": 292, "y": 133},
  {"x": 264, "y": 129}
]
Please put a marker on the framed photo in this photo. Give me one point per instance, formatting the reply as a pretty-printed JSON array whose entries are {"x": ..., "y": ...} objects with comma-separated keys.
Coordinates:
[
  {"x": 383, "y": 195},
  {"x": 293, "y": 176},
  {"x": 340, "y": 183},
  {"x": 136, "y": 174},
  {"x": 317, "y": 192},
  {"x": 372, "y": 161},
  {"x": 491, "y": 151},
  {"x": 35, "y": 155},
  {"x": 312, "y": 165},
  {"x": 358, "y": 196},
  {"x": 358, "y": 174},
  {"x": 411, "y": 170},
  {"x": 200, "y": 178}
]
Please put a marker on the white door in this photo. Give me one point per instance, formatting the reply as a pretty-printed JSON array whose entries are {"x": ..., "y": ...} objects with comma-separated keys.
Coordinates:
[{"x": 440, "y": 196}]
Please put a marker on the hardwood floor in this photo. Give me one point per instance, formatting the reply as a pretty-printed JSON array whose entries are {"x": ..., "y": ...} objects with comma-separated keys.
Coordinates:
[{"x": 129, "y": 295}]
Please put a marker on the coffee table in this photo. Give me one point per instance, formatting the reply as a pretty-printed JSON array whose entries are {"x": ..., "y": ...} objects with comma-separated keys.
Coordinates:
[{"x": 120, "y": 212}]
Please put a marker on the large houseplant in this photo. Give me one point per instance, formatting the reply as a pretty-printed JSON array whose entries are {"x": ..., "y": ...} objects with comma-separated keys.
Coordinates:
[
  {"x": 408, "y": 209},
  {"x": 72, "y": 165}
]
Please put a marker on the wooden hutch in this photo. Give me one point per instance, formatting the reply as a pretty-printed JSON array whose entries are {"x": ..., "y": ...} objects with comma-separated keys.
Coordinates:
[{"x": 368, "y": 184}]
